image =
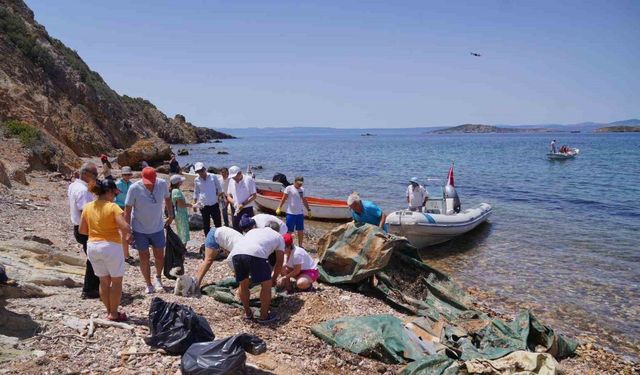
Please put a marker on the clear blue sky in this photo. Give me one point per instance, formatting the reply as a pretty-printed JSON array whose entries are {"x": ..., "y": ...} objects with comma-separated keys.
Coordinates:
[{"x": 362, "y": 64}]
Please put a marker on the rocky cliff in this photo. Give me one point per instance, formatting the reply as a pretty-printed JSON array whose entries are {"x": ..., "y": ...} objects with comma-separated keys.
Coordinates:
[
  {"x": 47, "y": 85},
  {"x": 478, "y": 128}
]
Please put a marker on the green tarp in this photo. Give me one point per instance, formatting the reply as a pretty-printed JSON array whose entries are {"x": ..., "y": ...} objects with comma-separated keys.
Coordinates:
[
  {"x": 387, "y": 267},
  {"x": 225, "y": 291}
]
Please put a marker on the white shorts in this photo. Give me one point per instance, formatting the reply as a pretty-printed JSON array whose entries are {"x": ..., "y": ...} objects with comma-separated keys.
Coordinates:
[{"x": 107, "y": 258}]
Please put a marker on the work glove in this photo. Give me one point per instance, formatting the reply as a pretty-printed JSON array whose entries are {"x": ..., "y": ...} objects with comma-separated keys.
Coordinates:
[{"x": 278, "y": 211}]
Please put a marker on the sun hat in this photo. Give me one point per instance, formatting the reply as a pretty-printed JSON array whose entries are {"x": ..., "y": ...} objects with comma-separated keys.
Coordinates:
[
  {"x": 149, "y": 175},
  {"x": 246, "y": 222},
  {"x": 126, "y": 171},
  {"x": 198, "y": 166},
  {"x": 176, "y": 179},
  {"x": 414, "y": 180},
  {"x": 233, "y": 171},
  {"x": 288, "y": 239}
]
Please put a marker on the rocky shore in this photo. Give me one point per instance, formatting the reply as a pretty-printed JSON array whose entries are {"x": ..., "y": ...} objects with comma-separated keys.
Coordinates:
[{"x": 36, "y": 233}]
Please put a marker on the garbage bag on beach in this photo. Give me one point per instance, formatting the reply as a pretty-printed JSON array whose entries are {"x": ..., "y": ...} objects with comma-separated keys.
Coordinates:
[
  {"x": 226, "y": 356},
  {"x": 174, "y": 254},
  {"x": 3, "y": 275},
  {"x": 196, "y": 222},
  {"x": 176, "y": 327}
]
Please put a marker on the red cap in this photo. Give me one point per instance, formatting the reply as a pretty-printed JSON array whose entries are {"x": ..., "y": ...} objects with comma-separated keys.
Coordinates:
[
  {"x": 288, "y": 239},
  {"x": 149, "y": 176},
  {"x": 104, "y": 157}
]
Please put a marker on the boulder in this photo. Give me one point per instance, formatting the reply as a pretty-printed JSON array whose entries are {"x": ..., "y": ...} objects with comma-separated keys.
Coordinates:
[
  {"x": 38, "y": 239},
  {"x": 19, "y": 175},
  {"x": 195, "y": 222},
  {"x": 183, "y": 152},
  {"x": 223, "y": 153},
  {"x": 4, "y": 177},
  {"x": 164, "y": 168},
  {"x": 213, "y": 170},
  {"x": 153, "y": 150}
]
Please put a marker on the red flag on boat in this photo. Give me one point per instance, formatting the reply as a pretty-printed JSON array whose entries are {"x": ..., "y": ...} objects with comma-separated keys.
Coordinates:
[{"x": 450, "y": 176}]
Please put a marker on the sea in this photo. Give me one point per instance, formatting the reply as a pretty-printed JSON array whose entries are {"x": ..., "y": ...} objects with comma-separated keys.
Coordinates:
[{"x": 564, "y": 237}]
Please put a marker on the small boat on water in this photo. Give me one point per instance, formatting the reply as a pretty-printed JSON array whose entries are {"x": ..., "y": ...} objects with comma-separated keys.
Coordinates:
[
  {"x": 569, "y": 154},
  {"x": 326, "y": 209},
  {"x": 441, "y": 220}
]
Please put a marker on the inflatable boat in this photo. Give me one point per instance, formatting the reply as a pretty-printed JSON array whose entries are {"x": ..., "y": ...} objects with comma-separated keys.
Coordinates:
[
  {"x": 440, "y": 220},
  {"x": 572, "y": 153}
]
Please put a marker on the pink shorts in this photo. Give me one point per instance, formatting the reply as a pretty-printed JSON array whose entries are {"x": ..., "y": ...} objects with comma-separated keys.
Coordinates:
[{"x": 312, "y": 274}]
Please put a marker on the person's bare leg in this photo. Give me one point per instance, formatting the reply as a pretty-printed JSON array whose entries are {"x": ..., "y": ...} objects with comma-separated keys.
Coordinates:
[
  {"x": 158, "y": 257},
  {"x": 115, "y": 295},
  {"x": 145, "y": 267},
  {"x": 303, "y": 282},
  {"x": 125, "y": 248},
  {"x": 265, "y": 298},
  {"x": 300, "y": 237},
  {"x": 209, "y": 256},
  {"x": 244, "y": 296},
  {"x": 105, "y": 281}
]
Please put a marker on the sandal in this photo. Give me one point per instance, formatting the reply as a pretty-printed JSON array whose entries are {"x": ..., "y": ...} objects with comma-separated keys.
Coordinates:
[
  {"x": 122, "y": 317},
  {"x": 271, "y": 317},
  {"x": 130, "y": 260}
]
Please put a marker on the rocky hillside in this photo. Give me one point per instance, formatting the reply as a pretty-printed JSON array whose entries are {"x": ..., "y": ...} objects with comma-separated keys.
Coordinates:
[
  {"x": 45, "y": 84},
  {"x": 618, "y": 129},
  {"x": 477, "y": 128}
]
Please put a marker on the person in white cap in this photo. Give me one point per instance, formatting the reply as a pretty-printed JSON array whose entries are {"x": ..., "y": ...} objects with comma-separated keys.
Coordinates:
[
  {"x": 241, "y": 194},
  {"x": 416, "y": 195},
  {"x": 207, "y": 191},
  {"x": 181, "y": 207}
]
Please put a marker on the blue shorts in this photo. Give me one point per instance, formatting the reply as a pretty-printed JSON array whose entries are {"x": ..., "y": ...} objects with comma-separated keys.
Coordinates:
[
  {"x": 247, "y": 265},
  {"x": 295, "y": 222},
  {"x": 143, "y": 240},
  {"x": 210, "y": 241}
]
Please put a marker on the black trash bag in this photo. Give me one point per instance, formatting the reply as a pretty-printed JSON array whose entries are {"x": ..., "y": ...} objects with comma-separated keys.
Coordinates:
[
  {"x": 176, "y": 327},
  {"x": 174, "y": 254},
  {"x": 226, "y": 356},
  {"x": 3, "y": 275},
  {"x": 279, "y": 177}
]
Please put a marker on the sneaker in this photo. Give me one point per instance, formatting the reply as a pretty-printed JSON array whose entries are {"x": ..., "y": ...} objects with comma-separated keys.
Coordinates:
[
  {"x": 157, "y": 283},
  {"x": 150, "y": 289}
]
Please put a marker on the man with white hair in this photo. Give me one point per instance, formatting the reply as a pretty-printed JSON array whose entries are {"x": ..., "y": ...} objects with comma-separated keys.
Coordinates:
[
  {"x": 416, "y": 195},
  {"x": 241, "y": 194},
  {"x": 79, "y": 195},
  {"x": 206, "y": 193},
  {"x": 366, "y": 211}
]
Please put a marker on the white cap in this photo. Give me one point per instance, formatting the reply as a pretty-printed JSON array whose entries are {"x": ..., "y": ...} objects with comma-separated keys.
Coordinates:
[
  {"x": 233, "y": 171},
  {"x": 198, "y": 166},
  {"x": 176, "y": 178}
]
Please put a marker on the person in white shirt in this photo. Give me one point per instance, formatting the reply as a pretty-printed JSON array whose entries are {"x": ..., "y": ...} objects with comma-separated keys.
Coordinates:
[
  {"x": 299, "y": 266},
  {"x": 218, "y": 240},
  {"x": 293, "y": 195},
  {"x": 250, "y": 258},
  {"x": 416, "y": 195},
  {"x": 241, "y": 194},
  {"x": 266, "y": 220},
  {"x": 223, "y": 178},
  {"x": 206, "y": 193},
  {"x": 79, "y": 195}
]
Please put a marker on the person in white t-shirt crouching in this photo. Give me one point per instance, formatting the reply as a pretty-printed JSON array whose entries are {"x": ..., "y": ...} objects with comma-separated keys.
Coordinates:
[
  {"x": 299, "y": 266},
  {"x": 296, "y": 202}
]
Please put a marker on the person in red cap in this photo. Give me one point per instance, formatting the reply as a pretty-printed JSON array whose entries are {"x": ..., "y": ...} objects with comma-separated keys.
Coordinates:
[
  {"x": 144, "y": 213},
  {"x": 106, "y": 167},
  {"x": 299, "y": 266}
]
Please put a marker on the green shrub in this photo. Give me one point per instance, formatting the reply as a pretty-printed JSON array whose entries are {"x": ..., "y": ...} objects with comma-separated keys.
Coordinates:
[
  {"x": 27, "y": 134},
  {"x": 18, "y": 33}
]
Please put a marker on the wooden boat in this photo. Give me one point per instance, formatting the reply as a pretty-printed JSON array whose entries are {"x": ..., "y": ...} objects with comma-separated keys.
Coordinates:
[{"x": 325, "y": 209}]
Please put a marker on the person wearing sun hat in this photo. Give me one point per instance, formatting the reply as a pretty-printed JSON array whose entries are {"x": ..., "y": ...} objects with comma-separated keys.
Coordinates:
[
  {"x": 241, "y": 194},
  {"x": 181, "y": 207},
  {"x": 416, "y": 195},
  {"x": 207, "y": 191},
  {"x": 123, "y": 184},
  {"x": 144, "y": 212}
]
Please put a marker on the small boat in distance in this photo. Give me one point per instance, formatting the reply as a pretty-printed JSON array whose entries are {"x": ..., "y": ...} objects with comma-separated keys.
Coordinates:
[
  {"x": 569, "y": 153},
  {"x": 325, "y": 209},
  {"x": 441, "y": 220}
]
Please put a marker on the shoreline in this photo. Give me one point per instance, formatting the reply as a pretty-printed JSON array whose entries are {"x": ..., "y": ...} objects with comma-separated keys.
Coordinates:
[{"x": 291, "y": 346}]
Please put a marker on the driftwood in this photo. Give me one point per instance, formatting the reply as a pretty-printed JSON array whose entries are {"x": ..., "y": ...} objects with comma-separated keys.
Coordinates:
[
  {"x": 109, "y": 323},
  {"x": 88, "y": 326}
]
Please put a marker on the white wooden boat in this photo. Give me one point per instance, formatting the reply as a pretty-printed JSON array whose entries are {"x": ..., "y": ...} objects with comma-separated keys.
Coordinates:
[
  {"x": 325, "y": 209},
  {"x": 268, "y": 185}
]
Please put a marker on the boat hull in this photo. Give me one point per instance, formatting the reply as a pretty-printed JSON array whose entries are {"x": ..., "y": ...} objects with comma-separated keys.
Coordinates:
[
  {"x": 325, "y": 209},
  {"x": 425, "y": 229},
  {"x": 563, "y": 155},
  {"x": 262, "y": 184}
]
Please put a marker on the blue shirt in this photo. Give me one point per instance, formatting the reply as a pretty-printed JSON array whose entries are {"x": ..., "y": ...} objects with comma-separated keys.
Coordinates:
[
  {"x": 123, "y": 186},
  {"x": 371, "y": 214},
  {"x": 147, "y": 216}
]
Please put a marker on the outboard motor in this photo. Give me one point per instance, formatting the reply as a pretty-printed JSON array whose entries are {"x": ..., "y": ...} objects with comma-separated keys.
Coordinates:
[
  {"x": 452, "y": 200},
  {"x": 279, "y": 177}
]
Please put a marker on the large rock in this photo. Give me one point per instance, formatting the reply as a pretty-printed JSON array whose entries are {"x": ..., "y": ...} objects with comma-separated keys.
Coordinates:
[
  {"x": 153, "y": 150},
  {"x": 4, "y": 177}
]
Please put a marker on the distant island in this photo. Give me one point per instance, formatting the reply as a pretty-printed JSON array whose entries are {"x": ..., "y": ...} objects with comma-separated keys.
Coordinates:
[
  {"x": 618, "y": 129},
  {"x": 478, "y": 128}
]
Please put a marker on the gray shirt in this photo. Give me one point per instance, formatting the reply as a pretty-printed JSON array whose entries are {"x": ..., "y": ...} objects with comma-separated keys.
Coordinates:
[{"x": 147, "y": 215}]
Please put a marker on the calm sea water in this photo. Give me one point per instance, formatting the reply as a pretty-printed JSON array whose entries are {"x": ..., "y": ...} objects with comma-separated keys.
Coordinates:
[{"x": 564, "y": 237}]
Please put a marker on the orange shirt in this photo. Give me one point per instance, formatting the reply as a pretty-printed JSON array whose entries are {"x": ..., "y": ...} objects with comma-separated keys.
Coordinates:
[{"x": 101, "y": 219}]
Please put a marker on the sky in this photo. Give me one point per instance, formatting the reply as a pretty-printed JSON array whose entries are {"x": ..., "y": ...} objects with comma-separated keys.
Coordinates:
[{"x": 357, "y": 64}]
